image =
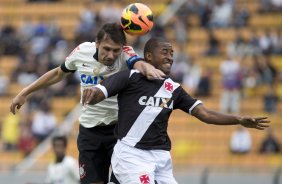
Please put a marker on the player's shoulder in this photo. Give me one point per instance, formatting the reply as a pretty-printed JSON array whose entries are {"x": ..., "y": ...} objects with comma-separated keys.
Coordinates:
[
  {"x": 128, "y": 50},
  {"x": 171, "y": 84},
  {"x": 69, "y": 160},
  {"x": 87, "y": 47}
]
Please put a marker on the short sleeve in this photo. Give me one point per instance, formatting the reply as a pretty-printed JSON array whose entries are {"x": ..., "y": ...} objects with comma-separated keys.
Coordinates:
[
  {"x": 68, "y": 65},
  {"x": 130, "y": 56},
  {"x": 184, "y": 101}
]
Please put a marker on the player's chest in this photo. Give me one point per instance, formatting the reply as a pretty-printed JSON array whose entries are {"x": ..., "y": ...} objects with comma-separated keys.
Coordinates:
[{"x": 93, "y": 72}]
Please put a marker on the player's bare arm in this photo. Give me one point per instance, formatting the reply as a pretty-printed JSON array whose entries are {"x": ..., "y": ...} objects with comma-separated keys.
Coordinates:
[
  {"x": 213, "y": 117},
  {"x": 149, "y": 70},
  {"x": 49, "y": 78},
  {"x": 92, "y": 96}
]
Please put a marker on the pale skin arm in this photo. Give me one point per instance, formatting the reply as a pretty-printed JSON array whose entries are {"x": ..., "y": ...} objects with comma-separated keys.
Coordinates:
[
  {"x": 149, "y": 70},
  {"x": 213, "y": 117},
  {"x": 48, "y": 79}
]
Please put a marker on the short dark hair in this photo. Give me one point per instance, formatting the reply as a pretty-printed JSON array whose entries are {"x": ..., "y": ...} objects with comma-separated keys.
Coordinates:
[
  {"x": 114, "y": 31},
  {"x": 153, "y": 43},
  {"x": 62, "y": 138}
]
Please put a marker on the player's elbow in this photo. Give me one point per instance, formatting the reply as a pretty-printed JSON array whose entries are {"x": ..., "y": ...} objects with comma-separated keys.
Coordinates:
[{"x": 201, "y": 113}]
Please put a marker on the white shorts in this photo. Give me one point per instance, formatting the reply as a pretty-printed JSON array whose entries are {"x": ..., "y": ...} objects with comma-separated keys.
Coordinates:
[{"x": 135, "y": 166}]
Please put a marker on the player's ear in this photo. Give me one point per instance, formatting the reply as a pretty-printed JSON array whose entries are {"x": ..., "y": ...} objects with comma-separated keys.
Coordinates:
[
  {"x": 148, "y": 56},
  {"x": 97, "y": 43}
]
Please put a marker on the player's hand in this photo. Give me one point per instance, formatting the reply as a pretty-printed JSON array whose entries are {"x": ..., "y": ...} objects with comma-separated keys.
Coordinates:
[
  {"x": 153, "y": 73},
  {"x": 150, "y": 71},
  {"x": 87, "y": 95},
  {"x": 17, "y": 102},
  {"x": 259, "y": 123}
]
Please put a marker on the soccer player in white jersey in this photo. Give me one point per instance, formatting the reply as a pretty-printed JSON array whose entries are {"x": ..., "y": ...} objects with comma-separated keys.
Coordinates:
[
  {"x": 64, "y": 169},
  {"x": 141, "y": 155},
  {"x": 94, "y": 61}
]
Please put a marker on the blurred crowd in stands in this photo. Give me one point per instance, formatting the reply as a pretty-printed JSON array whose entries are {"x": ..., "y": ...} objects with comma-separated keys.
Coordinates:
[{"x": 246, "y": 64}]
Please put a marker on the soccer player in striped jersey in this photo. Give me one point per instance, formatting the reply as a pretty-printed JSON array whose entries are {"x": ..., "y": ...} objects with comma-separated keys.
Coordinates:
[
  {"x": 141, "y": 154},
  {"x": 94, "y": 61}
]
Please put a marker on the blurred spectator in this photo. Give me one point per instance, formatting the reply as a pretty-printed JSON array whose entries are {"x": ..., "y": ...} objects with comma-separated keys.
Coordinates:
[
  {"x": 26, "y": 140},
  {"x": 269, "y": 144},
  {"x": 26, "y": 73},
  {"x": 89, "y": 21},
  {"x": 192, "y": 78},
  {"x": 9, "y": 41},
  {"x": 265, "y": 6},
  {"x": 111, "y": 11},
  {"x": 26, "y": 30},
  {"x": 254, "y": 43},
  {"x": 231, "y": 81},
  {"x": 43, "y": 122},
  {"x": 221, "y": 14},
  {"x": 270, "y": 100},
  {"x": 10, "y": 132},
  {"x": 158, "y": 30},
  {"x": 180, "y": 32},
  {"x": 265, "y": 42},
  {"x": 241, "y": 16},
  {"x": 213, "y": 44},
  {"x": 204, "y": 86},
  {"x": 64, "y": 169},
  {"x": 277, "y": 46},
  {"x": 180, "y": 64},
  {"x": 239, "y": 46},
  {"x": 4, "y": 83},
  {"x": 205, "y": 15},
  {"x": 240, "y": 142},
  {"x": 59, "y": 53},
  {"x": 250, "y": 82},
  {"x": 40, "y": 40},
  {"x": 266, "y": 70},
  {"x": 276, "y": 5}
]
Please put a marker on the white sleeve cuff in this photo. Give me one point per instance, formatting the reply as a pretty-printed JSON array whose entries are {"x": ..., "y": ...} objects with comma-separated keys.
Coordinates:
[
  {"x": 195, "y": 104},
  {"x": 103, "y": 89}
]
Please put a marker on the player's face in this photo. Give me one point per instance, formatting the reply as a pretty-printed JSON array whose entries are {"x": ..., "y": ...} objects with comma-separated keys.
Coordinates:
[
  {"x": 59, "y": 148},
  {"x": 162, "y": 57},
  {"x": 108, "y": 51}
]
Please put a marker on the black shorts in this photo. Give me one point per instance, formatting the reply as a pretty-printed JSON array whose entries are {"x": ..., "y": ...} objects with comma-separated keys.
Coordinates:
[{"x": 95, "y": 147}]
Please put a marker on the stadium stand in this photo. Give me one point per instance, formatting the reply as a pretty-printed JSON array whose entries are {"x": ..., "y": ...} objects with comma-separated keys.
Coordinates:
[{"x": 194, "y": 143}]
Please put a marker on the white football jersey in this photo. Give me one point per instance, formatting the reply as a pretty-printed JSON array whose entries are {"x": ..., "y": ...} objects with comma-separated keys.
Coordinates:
[
  {"x": 65, "y": 172},
  {"x": 83, "y": 59}
]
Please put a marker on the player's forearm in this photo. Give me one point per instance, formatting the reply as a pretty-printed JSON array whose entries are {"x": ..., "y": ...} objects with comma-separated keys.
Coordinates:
[
  {"x": 142, "y": 66},
  {"x": 213, "y": 117},
  {"x": 218, "y": 118},
  {"x": 48, "y": 79},
  {"x": 92, "y": 96}
]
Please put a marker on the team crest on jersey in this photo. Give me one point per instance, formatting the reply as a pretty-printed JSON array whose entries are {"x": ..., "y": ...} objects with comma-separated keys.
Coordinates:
[
  {"x": 129, "y": 51},
  {"x": 168, "y": 86},
  {"x": 82, "y": 172},
  {"x": 145, "y": 179}
]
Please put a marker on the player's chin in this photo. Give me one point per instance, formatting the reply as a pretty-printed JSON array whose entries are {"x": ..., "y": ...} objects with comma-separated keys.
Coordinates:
[
  {"x": 166, "y": 69},
  {"x": 109, "y": 62}
]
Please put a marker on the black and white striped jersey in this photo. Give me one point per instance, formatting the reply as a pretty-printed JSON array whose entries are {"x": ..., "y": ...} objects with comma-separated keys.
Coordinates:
[{"x": 145, "y": 107}]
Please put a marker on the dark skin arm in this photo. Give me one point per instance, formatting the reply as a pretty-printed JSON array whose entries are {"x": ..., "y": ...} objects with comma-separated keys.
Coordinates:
[
  {"x": 92, "y": 96},
  {"x": 217, "y": 118},
  {"x": 95, "y": 95}
]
